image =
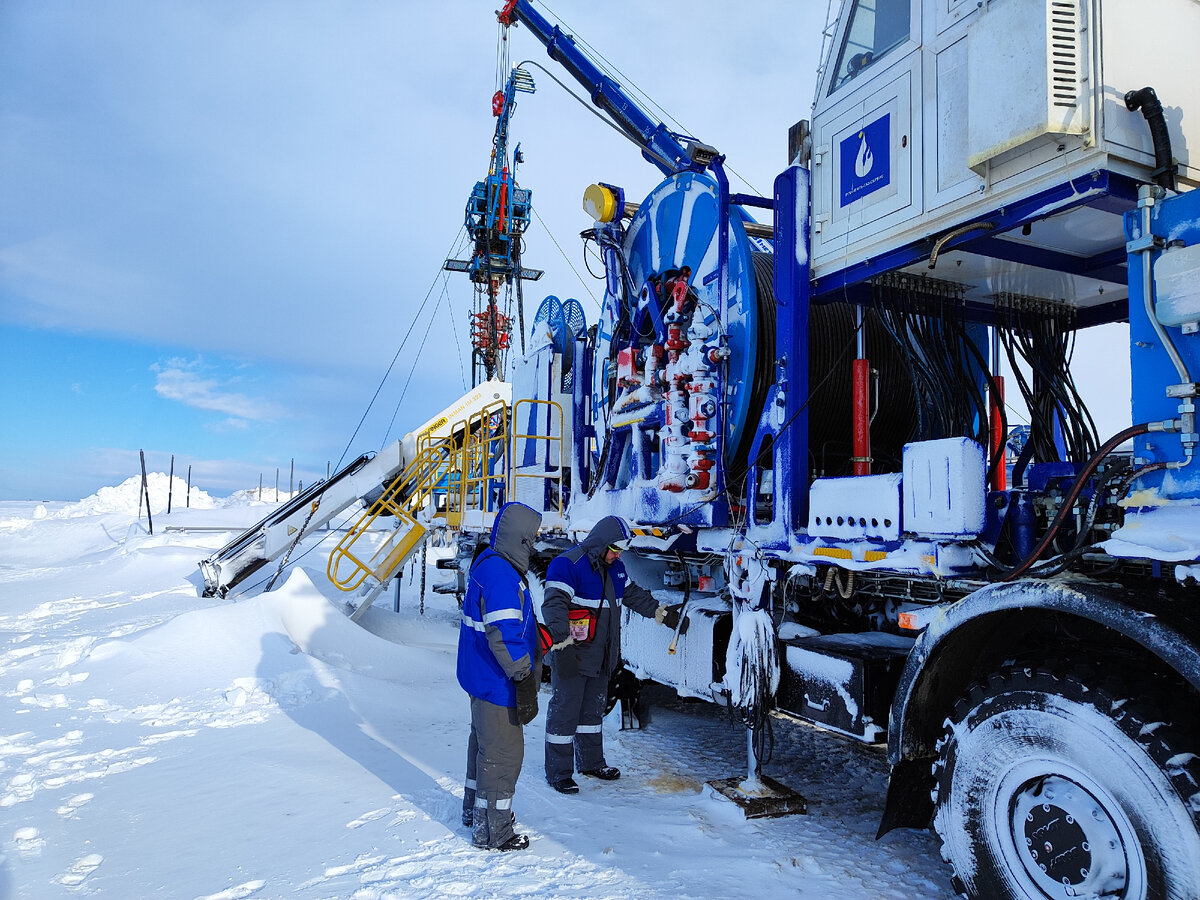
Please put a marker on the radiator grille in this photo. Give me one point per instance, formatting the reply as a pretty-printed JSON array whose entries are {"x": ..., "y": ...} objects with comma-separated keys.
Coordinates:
[{"x": 1065, "y": 65}]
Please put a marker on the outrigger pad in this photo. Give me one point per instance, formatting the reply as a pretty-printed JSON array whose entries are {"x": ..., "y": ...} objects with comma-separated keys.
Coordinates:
[{"x": 762, "y": 798}]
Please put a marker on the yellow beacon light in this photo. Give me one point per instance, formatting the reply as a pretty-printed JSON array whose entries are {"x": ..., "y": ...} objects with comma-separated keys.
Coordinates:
[{"x": 600, "y": 203}]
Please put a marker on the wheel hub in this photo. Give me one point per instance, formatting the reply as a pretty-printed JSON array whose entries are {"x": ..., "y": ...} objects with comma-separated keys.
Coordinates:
[{"x": 1067, "y": 841}]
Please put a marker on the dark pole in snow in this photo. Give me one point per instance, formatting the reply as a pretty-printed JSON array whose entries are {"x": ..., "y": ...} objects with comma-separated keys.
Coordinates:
[
  {"x": 146, "y": 489},
  {"x": 260, "y": 487},
  {"x": 189, "y": 493},
  {"x": 171, "y": 484},
  {"x": 292, "y": 479}
]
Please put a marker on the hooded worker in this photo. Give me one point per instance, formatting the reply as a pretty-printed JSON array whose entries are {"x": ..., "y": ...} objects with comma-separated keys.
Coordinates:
[
  {"x": 585, "y": 588},
  {"x": 500, "y": 667}
]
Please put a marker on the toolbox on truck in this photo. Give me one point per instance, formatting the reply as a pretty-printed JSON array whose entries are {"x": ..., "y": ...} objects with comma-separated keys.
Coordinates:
[{"x": 844, "y": 682}]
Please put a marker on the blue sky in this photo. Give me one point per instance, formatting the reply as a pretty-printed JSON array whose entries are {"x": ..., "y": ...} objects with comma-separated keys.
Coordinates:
[
  {"x": 71, "y": 401},
  {"x": 220, "y": 219},
  {"x": 222, "y": 223}
]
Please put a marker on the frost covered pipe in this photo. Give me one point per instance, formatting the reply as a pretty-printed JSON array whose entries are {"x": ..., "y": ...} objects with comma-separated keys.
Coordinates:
[
  {"x": 1146, "y": 101},
  {"x": 752, "y": 667}
]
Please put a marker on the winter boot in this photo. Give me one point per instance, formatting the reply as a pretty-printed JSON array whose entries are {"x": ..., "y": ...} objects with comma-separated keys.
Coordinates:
[
  {"x": 468, "y": 807},
  {"x": 492, "y": 829},
  {"x": 604, "y": 773},
  {"x": 565, "y": 785},
  {"x": 516, "y": 842},
  {"x": 480, "y": 833}
]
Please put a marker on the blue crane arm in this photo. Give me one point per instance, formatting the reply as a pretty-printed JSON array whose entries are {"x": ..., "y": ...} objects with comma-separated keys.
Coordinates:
[{"x": 659, "y": 145}]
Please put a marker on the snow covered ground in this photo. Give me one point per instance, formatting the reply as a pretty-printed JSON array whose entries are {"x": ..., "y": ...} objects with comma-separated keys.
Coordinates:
[{"x": 154, "y": 743}]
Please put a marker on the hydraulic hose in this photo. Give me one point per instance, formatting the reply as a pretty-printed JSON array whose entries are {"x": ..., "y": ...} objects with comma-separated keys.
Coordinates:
[
  {"x": 1064, "y": 511},
  {"x": 1146, "y": 101},
  {"x": 957, "y": 232}
]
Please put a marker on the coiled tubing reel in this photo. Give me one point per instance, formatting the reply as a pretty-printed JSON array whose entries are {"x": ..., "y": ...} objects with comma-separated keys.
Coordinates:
[{"x": 683, "y": 360}]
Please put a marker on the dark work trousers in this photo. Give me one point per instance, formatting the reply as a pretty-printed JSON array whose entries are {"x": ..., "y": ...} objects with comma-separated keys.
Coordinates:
[
  {"x": 495, "y": 751},
  {"x": 574, "y": 728}
]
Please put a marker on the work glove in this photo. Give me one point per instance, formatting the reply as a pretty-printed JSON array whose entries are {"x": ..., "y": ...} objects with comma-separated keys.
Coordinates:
[
  {"x": 669, "y": 616},
  {"x": 565, "y": 642},
  {"x": 527, "y": 699}
]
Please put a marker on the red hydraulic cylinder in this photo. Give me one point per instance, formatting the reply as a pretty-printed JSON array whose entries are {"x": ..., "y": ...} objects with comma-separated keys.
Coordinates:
[
  {"x": 503, "y": 198},
  {"x": 860, "y": 380},
  {"x": 999, "y": 479}
]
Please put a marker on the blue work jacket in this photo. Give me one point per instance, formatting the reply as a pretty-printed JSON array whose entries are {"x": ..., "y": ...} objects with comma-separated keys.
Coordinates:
[
  {"x": 581, "y": 580},
  {"x": 497, "y": 640}
]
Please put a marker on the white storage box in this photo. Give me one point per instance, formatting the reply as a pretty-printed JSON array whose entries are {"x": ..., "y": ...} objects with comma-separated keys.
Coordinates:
[
  {"x": 864, "y": 506},
  {"x": 944, "y": 490}
]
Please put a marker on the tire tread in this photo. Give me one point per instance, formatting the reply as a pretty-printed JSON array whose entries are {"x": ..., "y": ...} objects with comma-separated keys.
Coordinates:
[{"x": 1140, "y": 717}]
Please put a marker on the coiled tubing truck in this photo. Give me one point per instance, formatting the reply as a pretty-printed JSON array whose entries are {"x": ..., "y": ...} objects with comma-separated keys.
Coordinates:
[{"x": 810, "y": 422}]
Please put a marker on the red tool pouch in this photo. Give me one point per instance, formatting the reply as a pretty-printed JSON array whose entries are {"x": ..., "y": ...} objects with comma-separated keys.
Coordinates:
[{"x": 583, "y": 624}]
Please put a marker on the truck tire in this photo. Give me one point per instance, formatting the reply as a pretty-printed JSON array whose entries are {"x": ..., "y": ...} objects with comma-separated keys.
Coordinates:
[{"x": 1048, "y": 787}]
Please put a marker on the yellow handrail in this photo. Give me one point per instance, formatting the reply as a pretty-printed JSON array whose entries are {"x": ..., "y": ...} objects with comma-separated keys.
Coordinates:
[
  {"x": 420, "y": 479},
  {"x": 471, "y": 468},
  {"x": 485, "y": 460},
  {"x": 550, "y": 438}
]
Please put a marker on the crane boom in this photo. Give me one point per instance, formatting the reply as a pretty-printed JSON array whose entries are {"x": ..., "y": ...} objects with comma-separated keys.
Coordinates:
[{"x": 669, "y": 152}]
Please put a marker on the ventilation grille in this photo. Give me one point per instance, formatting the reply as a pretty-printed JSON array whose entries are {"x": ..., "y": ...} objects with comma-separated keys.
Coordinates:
[{"x": 1065, "y": 66}]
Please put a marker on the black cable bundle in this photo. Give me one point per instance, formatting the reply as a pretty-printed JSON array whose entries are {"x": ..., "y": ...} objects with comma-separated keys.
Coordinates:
[
  {"x": 926, "y": 317},
  {"x": 831, "y": 339},
  {"x": 1042, "y": 334}
]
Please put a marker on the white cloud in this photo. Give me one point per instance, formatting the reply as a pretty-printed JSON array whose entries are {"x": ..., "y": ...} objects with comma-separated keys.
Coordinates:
[{"x": 180, "y": 381}]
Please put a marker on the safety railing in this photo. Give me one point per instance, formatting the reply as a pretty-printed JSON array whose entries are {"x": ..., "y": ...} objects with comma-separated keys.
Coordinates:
[
  {"x": 547, "y": 468},
  {"x": 352, "y": 560},
  {"x": 463, "y": 478},
  {"x": 454, "y": 439},
  {"x": 483, "y": 472}
]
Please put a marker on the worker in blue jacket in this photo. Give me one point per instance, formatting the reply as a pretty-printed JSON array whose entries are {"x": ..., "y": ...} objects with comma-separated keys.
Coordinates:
[
  {"x": 585, "y": 589},
  {"x": 500, "y": 667}
]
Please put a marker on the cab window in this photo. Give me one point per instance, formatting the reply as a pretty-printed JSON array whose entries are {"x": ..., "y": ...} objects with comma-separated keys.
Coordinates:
[{"x": 876, "y": 26}]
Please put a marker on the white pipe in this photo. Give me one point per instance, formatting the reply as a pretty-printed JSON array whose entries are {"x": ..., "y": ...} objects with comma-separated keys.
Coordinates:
[{"x": 1146, "y": 202}]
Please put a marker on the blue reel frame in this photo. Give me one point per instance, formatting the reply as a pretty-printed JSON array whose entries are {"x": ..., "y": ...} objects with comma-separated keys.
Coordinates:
[{"x": 687, "y": 221}]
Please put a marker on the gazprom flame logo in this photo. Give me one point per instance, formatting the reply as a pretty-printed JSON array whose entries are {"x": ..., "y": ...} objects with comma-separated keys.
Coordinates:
[{"x": 865, "y": 158}]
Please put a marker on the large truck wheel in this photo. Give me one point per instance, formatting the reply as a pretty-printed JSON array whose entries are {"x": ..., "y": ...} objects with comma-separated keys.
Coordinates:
[{"x": 1048, "y": 787}]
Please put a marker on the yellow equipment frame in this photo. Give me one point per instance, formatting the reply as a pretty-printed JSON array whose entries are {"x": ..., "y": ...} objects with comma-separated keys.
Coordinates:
[
  {"x": 470, "y": 470},
  {"x": 430, "y": 466},
  {"x": 550, "y": 439}
]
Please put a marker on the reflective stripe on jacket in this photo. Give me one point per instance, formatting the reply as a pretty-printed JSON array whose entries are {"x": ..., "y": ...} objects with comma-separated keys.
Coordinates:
[
  {"x": 497, "y": 640},
  {"x": 580, "y": 579}
]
